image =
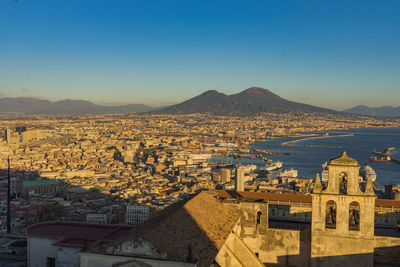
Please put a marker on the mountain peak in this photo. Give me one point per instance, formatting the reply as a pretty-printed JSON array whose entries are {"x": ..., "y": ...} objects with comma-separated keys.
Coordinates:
[
  {"x": 34, "y": 106},
  {"x": 211, "y": 92},
  {"x": 259, "y": 91},
  {"x": 251, "y": 101},
  {"x": 383, "y": 111}
]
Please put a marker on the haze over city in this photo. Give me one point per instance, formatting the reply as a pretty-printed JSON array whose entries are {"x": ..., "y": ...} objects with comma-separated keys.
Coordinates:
[{"x": 335, "y": 54}]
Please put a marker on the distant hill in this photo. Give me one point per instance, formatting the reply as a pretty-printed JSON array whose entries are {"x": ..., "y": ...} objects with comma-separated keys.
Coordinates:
[
  {"x": 384, "y": 111},
  {"x": 251, "y": 101},
  {"x": 33, "y": 106}
]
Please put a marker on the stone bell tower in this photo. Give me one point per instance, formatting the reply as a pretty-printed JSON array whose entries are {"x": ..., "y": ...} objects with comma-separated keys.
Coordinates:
[{"x": 342, "y": 231}]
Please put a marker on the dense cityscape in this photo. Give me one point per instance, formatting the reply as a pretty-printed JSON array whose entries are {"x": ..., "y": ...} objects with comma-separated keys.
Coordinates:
[
  {"x": 126, "y": 170},
  {"x": 199, "y": 133},
  {"x": 91, "y": 168}
]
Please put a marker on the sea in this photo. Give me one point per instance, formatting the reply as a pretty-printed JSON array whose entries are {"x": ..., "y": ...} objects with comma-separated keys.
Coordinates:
[{"x": 308, "y": 159}]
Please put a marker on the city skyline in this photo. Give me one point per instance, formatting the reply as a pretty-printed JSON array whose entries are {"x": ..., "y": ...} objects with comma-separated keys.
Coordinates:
[{"x": 335, "y": 55}]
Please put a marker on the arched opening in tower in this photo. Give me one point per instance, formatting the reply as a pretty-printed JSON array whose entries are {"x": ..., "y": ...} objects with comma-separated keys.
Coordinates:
[
  {"x": 330, "y": 215},
  {"x": 343, "y": 183},
  {"x": 354, "y": 216}
]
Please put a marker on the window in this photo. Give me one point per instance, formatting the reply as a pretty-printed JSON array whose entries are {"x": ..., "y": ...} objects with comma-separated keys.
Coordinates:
[
  {"x": 330, "y": 215},
  {"x": 50, "y": 262},
  {"x": 354, "y": 216}
]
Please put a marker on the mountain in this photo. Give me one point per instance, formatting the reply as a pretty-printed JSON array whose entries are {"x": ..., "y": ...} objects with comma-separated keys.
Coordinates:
[
  {"x": 33, "y": 106},
  {"x": 251, "y": 101},
  {"x": 384, "y": 111}
]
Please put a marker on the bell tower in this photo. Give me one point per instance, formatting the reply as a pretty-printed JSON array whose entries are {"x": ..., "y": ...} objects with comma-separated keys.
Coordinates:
[{"x": 342, "y": 230}]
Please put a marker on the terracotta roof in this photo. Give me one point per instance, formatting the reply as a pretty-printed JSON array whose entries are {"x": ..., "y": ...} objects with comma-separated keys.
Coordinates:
[
  {"x": 387, "y": 203},
  {"x": 77, "y": 233},
  {"x": 222, "y": 194}
]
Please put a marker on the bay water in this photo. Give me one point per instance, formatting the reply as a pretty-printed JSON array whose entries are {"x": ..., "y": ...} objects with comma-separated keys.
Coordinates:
[{"x": 309, "y": 157}]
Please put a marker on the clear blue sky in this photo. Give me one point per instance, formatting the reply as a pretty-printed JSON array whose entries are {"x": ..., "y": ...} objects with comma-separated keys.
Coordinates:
[{"x": 334, "y": 54}]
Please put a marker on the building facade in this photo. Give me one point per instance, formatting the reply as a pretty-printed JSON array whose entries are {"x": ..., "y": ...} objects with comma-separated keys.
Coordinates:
[
  {"x": 239, "y": 179},
  {"x": 225, "y": 175},
  {"x": 137, "y": 214},
  {"x": 342, "y": 212}
]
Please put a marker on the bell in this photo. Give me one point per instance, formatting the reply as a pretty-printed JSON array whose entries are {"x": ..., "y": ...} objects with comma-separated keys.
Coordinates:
[
  {"x": 331, "y": 217},
  {"x": 353, "y": 219}
]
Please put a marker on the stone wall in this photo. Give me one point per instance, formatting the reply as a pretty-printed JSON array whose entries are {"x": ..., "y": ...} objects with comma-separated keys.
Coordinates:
[
  {"x": 341, "y": 251},
  {"x": 387, "y": 219},
  {"x": 387, "y": 251},
  {"x": 235, "y": 252},
  {"x": 281, "y": 246},
  {"x": 289, "y": 213},
  {"x": 270, "y": 245}
]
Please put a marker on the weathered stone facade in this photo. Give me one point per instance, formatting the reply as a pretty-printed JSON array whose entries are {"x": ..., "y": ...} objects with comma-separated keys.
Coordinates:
[
  {"x": 342, "y": 217},
  {"x": 336, "y": 229}
]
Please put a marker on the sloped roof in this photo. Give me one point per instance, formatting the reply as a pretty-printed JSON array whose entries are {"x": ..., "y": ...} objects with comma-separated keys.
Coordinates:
[
  {"x": 222, "y": 194},
  {"x": 39, "y": 182},
  {"x": 202, "y": 223},
  {"x": 387, "y": 203},
  {"x": 76, "y": 234}
]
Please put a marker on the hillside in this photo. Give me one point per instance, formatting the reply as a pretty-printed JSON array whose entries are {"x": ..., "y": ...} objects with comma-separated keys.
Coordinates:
[
  {"x": 250, "y": 101},
  {"x": 33, "y": 106},
  {"x": 384, "y": 111}
]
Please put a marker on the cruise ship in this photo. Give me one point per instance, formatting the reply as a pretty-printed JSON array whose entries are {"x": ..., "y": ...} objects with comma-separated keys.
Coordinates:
[
  {"x": 273, "y": 166},
  {"x": 368, "y": 172},
  {"x": 289, "y": 173}
]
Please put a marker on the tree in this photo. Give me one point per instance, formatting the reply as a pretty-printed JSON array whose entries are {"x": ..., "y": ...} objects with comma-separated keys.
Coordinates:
[{"x": 51, "y": 212}]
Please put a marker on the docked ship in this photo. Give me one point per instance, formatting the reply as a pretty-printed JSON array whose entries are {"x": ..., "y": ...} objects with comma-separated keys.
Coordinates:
[
  {"x": 289, "y": 173},
  {"x": 200, "y": 157},
  {"x": 368, "y": 173},
  {"x": 381, "y": 159},
  {"x": 384, "y": 153},
  {"x": 272, "y": 167},
  {"x": 249, "y": 168}
]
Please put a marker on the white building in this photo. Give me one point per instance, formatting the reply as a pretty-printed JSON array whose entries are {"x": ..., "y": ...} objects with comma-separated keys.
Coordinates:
[
  {"x": 137, "y": 214},
  {"x": 103, "y": 217},
  {"x": 239, "y": 185},
  {"x": 54, "y": 244},
  {"x": 225, "y": 175}
]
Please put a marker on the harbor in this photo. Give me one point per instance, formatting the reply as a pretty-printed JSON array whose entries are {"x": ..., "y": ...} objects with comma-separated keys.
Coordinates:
[
  {"x": 293, "y": 142},
  {"x": 307, "y": 160}
]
